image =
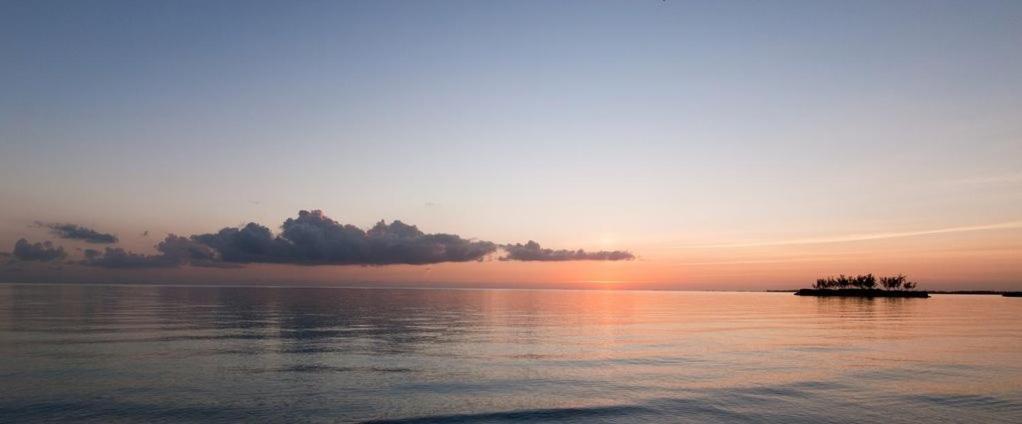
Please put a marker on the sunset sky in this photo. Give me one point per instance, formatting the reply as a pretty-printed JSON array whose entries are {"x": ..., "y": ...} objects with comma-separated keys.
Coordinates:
[{"x": 711, "y": 145}]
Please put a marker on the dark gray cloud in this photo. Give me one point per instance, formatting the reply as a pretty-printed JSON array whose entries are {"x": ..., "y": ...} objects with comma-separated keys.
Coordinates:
[
  {"x": 116, "y": 257},
  {"x": 251, "y": 243},
  {"x": 42, "y": 252},
  {"x": 173, "y": 251},
  {"x": 532, "y": 251},
  {"x": 77, "y": 232},
  {"x": 313, "y": 238}
]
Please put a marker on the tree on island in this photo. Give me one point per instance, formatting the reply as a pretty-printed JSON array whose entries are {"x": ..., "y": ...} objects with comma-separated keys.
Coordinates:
[
  {"x": 864, "y": 282},
  {"x": 894, "y": 283}
]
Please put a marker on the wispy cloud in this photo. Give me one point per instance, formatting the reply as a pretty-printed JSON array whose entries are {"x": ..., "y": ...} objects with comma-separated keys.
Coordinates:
[
  {"x": 856, "y": 237},
  {"x": 532, "y": 251},
  {"x": 78, "y": 232},
  {"x": 999, "y": 179}
]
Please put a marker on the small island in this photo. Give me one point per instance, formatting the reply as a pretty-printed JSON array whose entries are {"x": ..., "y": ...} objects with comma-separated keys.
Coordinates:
[{"x": 864, "y": 286}]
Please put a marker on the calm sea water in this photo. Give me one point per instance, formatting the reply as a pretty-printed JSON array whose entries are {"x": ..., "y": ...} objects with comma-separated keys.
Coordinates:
[{"x": 205, "y": 354}]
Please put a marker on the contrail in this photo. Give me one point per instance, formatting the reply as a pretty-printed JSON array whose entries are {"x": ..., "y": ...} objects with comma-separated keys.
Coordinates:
[{"x": 858, "y": 237}]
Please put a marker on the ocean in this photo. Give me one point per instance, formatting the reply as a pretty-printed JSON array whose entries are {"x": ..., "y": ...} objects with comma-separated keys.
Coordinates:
[{"x": 149, "y": 353}]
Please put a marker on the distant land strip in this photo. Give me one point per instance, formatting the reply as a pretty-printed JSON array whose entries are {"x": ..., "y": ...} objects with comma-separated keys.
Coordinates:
[{"x": 976, "y": 292}]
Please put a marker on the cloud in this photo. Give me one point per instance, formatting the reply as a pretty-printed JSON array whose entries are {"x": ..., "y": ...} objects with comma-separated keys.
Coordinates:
[
  {"x": 313, "y": 238},
  {"x": 42, "y": 252},
  {"x": 532, "y": 251},
  {"x": 116, "y": 257},
  {"x": 77, "y": 232},
  {"x": 173, "y": 251},
  {"x": 251, "y": 243}
]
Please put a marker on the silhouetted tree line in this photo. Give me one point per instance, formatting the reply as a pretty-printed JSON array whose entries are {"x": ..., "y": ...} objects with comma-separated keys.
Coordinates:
[{"x": 865, "y": 282}]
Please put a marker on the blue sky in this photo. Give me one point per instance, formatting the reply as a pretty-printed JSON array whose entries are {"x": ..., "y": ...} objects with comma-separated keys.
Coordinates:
[{"x": 640, "y": 125}]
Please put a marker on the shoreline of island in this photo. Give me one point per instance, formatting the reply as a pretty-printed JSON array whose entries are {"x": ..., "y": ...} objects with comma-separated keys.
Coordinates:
[
  {"x": 1005, "y": 293},
  {"x": 868, "y": 293}
]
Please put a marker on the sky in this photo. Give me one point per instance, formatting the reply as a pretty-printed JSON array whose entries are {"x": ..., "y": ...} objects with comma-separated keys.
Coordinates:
[{"x": 710, "y": 145}]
